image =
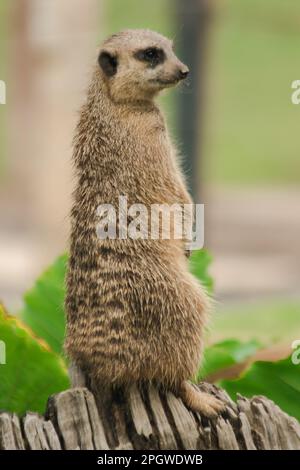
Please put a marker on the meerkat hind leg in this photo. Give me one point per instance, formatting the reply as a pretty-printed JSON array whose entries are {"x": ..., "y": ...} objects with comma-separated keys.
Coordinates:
[{"x": 201, "y": 402}]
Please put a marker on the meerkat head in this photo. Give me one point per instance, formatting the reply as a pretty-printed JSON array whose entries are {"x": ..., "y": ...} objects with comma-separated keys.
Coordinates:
[{"x": 137, "y": 64}]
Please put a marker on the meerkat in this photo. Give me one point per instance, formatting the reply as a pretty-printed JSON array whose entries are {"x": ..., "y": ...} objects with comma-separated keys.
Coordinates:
[{"x": 134, "y": 312}]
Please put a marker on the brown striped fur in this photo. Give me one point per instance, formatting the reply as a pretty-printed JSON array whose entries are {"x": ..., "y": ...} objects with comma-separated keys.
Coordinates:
[{"x": 134, "y": 312}]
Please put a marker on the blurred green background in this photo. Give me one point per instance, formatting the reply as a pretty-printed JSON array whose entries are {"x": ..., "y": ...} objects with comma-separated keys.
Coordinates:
[{"x": 251, "y": 126}]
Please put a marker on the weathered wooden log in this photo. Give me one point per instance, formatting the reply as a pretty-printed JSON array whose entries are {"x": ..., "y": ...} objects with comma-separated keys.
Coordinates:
[{"x": 147, "y": 418}]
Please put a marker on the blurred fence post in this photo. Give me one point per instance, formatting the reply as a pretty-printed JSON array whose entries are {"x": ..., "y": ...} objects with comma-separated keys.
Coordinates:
[
  {"x": 193, "y": 23},
  {"x": 53, "y": 46}
]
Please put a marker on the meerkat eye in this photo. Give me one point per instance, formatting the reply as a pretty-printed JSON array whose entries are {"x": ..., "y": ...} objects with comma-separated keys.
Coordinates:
[{"x": 151, "y": 55}]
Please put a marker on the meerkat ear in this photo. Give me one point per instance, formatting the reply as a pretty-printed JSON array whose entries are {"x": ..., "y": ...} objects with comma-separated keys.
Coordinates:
[{"x": 108, "y": 63}]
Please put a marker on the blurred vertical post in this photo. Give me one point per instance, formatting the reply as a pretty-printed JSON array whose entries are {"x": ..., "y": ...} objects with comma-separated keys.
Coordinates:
[
  {"x": 50, "y": 57},
  {"x": 193, "y": 24}
]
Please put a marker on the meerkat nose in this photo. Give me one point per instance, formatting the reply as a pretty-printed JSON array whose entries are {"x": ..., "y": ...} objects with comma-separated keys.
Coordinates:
[{"x": 183, "y": 73}]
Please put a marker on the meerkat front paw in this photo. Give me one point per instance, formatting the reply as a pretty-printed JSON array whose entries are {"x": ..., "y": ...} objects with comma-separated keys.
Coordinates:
[{"x": 201, "y": 402}]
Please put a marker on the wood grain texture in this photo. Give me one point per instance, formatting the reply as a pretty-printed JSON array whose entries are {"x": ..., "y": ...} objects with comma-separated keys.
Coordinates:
[{"x": 147, "y": 418}]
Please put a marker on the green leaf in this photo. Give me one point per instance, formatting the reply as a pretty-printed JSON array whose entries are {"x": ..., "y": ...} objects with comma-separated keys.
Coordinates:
[
  {"x": 199, "y": 263},
  {"x": 225, "y": 354},
  {"x": 279, "y": 381},
  {"x": 31, "y": 372},
  {"x": 43, "y": 309}
]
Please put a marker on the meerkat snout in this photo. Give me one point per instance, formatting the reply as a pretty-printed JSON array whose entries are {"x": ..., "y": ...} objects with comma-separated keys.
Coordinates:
[
  {"x": 183, "y": 73},
  {"x": 137, "y": 64}
]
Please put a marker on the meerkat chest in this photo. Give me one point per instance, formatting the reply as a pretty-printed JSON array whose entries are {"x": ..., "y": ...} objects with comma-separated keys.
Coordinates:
[{"x": 151, "y": 139}]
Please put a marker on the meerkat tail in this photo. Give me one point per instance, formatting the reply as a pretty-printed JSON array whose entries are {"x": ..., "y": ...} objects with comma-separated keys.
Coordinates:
[{"x": 201, "y": 402}]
